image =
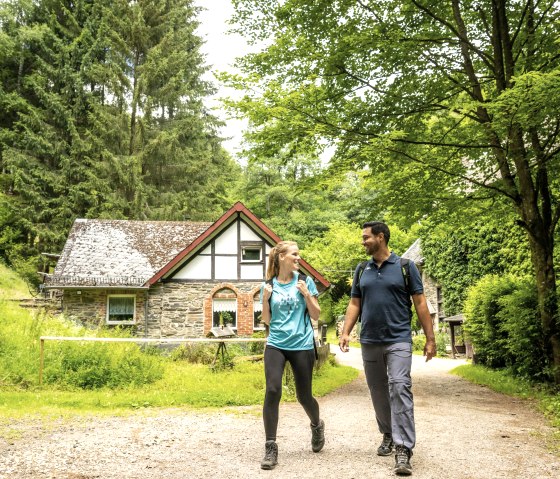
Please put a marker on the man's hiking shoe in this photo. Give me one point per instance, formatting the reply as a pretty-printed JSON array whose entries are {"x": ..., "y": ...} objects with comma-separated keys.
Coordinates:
[
  {"x": 386, "y": 447},
  {"x": 402, "y": 461},
  {"x": 318, "y": 436},
  {"x": 270, "y": 455}
]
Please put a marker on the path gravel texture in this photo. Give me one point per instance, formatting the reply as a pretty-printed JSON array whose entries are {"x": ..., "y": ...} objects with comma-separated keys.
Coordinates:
[{"x": 464, "y": 431}]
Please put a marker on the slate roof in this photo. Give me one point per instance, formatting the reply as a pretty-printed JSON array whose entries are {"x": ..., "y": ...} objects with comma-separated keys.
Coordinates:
[
  {"x": 414, "y": 253},
  {"x": 116, "y": 253}
]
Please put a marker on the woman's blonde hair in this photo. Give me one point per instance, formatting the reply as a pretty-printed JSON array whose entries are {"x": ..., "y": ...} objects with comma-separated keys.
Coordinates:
[{"x": 274, "y": 258}]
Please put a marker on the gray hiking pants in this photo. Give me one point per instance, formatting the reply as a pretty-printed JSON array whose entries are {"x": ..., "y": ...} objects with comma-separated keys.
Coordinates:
[{"x": 387, "y": 370}]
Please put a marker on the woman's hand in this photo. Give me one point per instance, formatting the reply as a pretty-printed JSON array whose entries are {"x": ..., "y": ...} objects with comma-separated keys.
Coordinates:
[
  {"x": 267, "y": 291},
  {"x": 302, "y": 288}
]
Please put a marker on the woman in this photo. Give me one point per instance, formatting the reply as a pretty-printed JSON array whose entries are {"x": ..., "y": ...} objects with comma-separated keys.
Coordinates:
[{"x": 287, "y": 301}]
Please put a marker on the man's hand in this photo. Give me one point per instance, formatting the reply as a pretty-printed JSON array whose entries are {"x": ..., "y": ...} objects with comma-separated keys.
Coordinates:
[
  {"x": 344, "y": 343},
  {"x": 430, "y": 349}
]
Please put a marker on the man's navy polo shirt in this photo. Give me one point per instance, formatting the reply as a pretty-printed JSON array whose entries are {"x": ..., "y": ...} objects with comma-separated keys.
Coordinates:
[{"x": 385, "y": 301}]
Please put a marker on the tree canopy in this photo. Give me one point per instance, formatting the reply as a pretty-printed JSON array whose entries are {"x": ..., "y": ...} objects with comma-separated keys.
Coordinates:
[
  {"x": 443, "y": 103},
  {"x": 103, "y": 116}
]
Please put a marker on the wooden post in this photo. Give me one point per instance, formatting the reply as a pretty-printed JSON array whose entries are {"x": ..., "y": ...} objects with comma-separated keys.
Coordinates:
[{"x": 42, "y": 362}]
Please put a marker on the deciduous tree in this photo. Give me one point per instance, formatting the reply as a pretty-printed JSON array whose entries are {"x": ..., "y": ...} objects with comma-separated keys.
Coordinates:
[{"x": 455, "y": 100}]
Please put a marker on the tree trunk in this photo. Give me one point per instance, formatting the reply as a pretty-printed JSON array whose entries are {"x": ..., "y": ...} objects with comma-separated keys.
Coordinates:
[{"x": 542, "y": 248}]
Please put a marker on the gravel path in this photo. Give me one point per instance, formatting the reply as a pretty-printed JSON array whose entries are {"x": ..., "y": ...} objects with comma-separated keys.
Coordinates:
[{"x": 464, "y": 431}]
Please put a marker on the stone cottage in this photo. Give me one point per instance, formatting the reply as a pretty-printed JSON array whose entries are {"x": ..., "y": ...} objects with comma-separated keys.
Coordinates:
[
  {"x": 168, "y": 279},
  {"x": 432, "y": 289}
]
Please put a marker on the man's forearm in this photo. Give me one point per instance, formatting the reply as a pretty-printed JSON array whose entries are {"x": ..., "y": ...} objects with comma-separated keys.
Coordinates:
[{"x": 351, "y": 317}]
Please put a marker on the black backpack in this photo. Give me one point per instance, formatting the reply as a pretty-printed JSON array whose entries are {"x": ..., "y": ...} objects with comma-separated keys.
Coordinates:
[
  {"x": 301, "y": 277},
  {"x": 405, "y": 270}
]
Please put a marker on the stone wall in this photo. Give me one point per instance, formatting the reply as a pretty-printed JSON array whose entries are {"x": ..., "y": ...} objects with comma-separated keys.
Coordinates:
[
  {"x": 431, "y": 288},
  {"x": 184, "y": 309},
  {"x": 89, "y": 306},
  {"x": 174, "y": 309}
]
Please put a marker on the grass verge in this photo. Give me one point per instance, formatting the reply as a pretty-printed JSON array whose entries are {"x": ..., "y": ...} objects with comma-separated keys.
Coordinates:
[{"x": 183, "y": 385}]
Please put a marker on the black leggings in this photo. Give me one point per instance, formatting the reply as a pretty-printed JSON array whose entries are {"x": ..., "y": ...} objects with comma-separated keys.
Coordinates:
[{"x": 302, "y": 367}]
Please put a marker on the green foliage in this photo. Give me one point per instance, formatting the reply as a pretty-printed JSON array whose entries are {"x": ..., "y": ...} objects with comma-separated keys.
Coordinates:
[
  {"x": 103, "y": 117},
  {"x": 194, "y": 353},
  {"x": 94, "y": 366},
  {"x": 408, "y": 95},
  {"x": 442, "y": 341},
  {"x": 458, "y": 255},
  {"x": 502, "y": 324},
  {"x": 499, "y": 381},
  {"x": 257, "y": 347},
  {"x": 75, "y": 365}
]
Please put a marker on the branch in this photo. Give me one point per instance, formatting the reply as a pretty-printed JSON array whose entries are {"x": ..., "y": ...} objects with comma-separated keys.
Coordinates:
[
  {"x": 438, "y": 144},
  {"x": 429, "y": 106},
  {"x": 370, "y": 10},
  {"x": 520, "y": 23},
  {"x": 462, "y": 37},
  {"x": 451, "y": 174}
]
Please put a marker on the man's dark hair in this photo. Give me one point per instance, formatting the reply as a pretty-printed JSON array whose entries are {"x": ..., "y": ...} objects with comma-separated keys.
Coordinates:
[{"x": 378, "y": 227}]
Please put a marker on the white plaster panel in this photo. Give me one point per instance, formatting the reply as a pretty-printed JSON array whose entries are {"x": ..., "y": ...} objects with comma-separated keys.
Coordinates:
[
  {"x": 247, "y": 234},
  {"x": 199, "y": 268},
  {"x": 226, "y": 243},
  {"x": 226, "y": 267},
  {"x": 207, "y": 250},
  {"x": 252, "y": 271}
]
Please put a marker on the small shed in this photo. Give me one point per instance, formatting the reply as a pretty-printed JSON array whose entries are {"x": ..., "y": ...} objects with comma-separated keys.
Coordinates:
[{"x": 458, "y": 343}]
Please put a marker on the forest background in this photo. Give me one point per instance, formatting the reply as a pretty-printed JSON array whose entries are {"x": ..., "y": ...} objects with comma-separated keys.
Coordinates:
[{"x": 441, "y": 120}]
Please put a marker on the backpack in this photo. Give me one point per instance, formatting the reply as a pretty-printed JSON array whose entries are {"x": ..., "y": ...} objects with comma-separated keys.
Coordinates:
[
  {"x": 301, "y": 277},
  {"x": 405, "y": 270}
]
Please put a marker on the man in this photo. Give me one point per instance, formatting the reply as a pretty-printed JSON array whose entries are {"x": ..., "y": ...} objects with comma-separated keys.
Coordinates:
[{"x": 382, "y": 298}]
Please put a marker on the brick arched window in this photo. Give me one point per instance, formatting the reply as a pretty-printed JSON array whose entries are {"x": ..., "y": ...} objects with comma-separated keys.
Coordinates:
[{"x": 224, "y": 308}]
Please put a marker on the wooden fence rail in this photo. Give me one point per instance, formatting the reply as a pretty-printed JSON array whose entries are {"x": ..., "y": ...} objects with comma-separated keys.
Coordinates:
[{"x": 221, "y": 343}]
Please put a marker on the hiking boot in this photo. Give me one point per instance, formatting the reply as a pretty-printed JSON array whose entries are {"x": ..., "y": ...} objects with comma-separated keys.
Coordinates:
[
  {"x": 402, "y": 461},
  {"x": 386, "y": 447},
  {"x": 318, "y": 436},
  {"x": 270, "y": 455}
]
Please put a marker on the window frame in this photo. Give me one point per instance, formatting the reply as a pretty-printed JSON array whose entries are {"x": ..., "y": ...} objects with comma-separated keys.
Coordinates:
[
  {"x": 127, "y": 321},
  {"x": 251, "y": 245},
  {"x": 235, "y": 313}
]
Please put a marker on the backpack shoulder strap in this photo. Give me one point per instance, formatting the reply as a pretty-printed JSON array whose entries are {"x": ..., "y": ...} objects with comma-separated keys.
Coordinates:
[
  {"x": 361, "y": 269},
  {"x": 405, "y": 270}
]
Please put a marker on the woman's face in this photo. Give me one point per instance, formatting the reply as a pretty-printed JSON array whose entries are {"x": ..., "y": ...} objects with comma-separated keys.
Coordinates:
[{"x": 290, "y": 260}]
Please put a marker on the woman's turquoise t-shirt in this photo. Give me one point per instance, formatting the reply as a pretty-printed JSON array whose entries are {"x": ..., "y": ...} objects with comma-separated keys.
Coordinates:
[{"x": 289, "y": 328}]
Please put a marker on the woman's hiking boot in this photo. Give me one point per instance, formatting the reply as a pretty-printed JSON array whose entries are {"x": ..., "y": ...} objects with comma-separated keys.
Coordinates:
[
  {"x": 318, "y": 436},
  {"x": 270, "y": 455},
  {"x": 402, "y": 461},
  {"x": 386, "y": 446}
]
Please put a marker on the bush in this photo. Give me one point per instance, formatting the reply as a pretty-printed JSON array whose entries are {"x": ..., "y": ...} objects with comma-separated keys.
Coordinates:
[
  {"x": 504, "y": 327},
  {"x": 257, "y": 348},
  {"x": 519, "y": 315},
  {"x": 98, "y": 365},
  {"x": 194, "y": 353},
  {"x": 482, "y": 326}
]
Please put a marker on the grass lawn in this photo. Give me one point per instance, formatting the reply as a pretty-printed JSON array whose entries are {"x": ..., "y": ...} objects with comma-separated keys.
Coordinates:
[{"x": 183, "y": 385}]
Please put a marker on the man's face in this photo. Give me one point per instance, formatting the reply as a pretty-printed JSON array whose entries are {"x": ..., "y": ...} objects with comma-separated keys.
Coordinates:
[{"x": 372, "y": 243}]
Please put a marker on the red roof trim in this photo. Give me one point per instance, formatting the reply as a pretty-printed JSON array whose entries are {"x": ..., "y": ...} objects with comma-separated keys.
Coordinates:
[{"x": 239, "y": 209}]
